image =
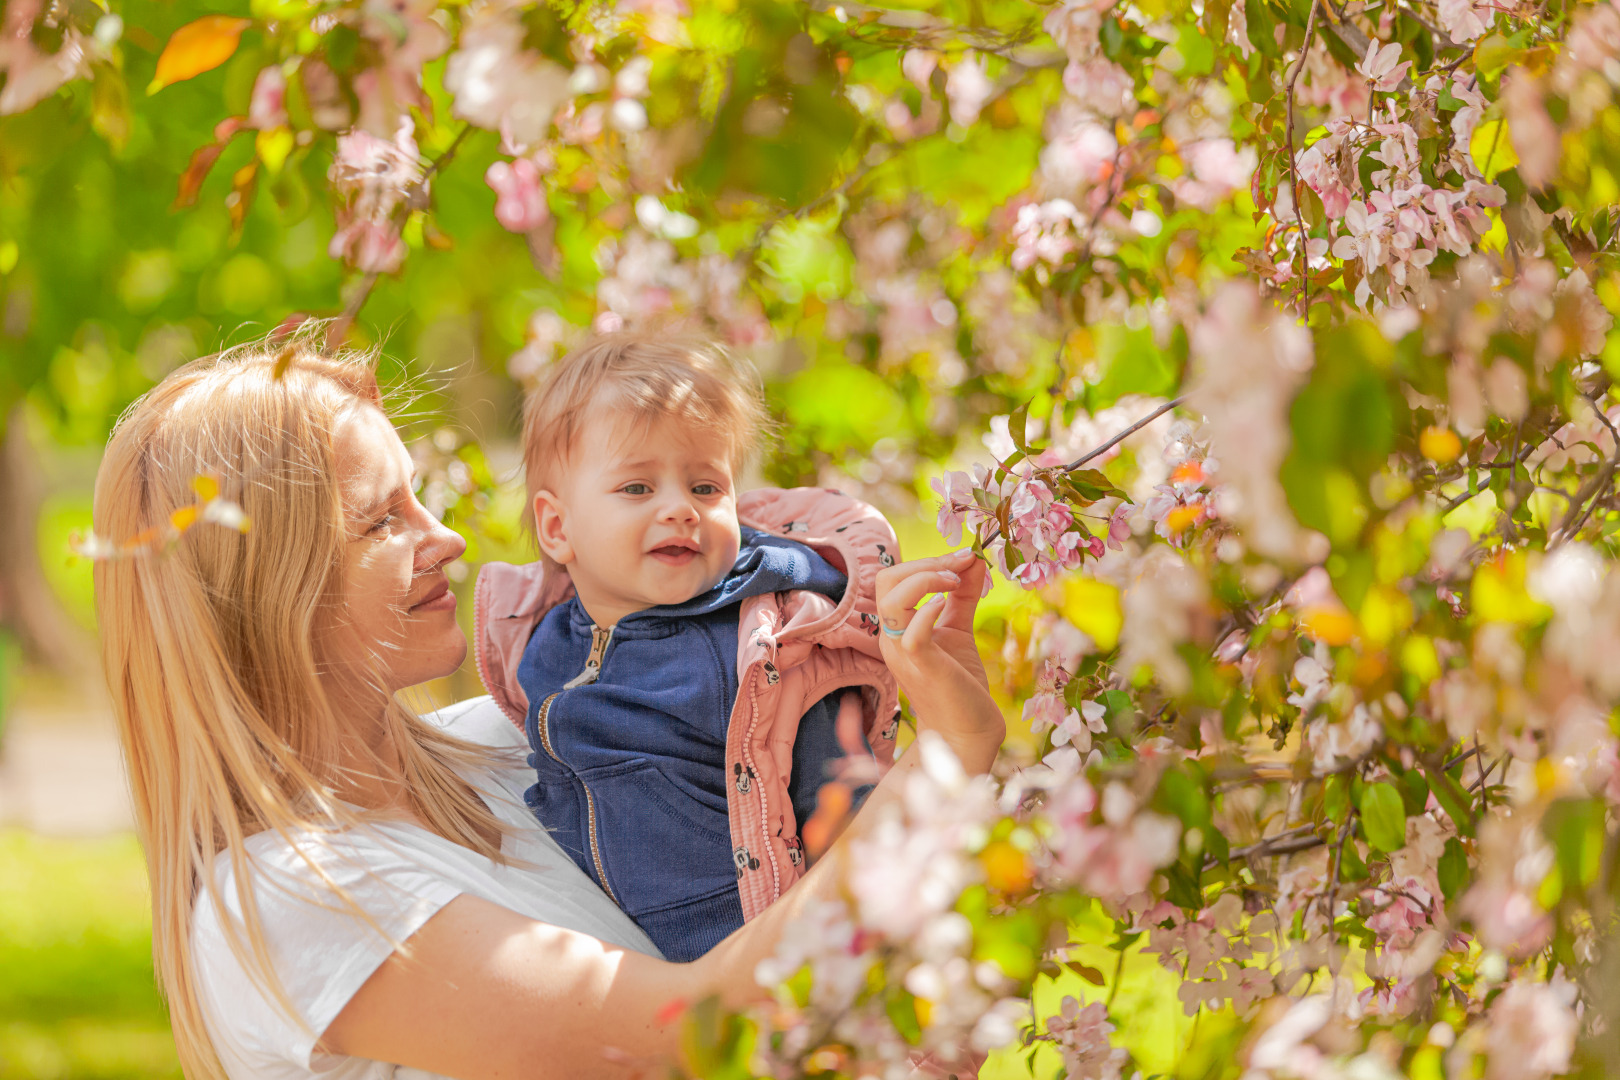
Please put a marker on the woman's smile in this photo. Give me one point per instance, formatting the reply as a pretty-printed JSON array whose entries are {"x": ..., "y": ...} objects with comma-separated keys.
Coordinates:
[{"x": 439, "y": 598}]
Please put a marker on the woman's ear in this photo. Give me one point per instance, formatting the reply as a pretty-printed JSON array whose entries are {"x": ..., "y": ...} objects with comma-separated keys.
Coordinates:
[{"x": 551, "y": 528}]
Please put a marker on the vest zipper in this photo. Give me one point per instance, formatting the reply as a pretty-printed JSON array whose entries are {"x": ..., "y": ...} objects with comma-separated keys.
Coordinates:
[
  {"x": 593, "y": 663},
  {"x": 593, "y": 668}
]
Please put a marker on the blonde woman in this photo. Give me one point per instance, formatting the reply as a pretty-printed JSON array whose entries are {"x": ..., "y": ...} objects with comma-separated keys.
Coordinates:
[{"x": 341, "y": 887}]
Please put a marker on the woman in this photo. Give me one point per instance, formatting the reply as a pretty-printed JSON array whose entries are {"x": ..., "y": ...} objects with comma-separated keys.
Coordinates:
[{"x": 337, "y": 883}]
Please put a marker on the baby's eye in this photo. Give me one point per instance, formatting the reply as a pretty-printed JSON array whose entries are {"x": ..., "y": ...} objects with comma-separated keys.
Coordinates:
[
  {"x": 706, "y": 489},
  {"x": 636, "y": 489}
]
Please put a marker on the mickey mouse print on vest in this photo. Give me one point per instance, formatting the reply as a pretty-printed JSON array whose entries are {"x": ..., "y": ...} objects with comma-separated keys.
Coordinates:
[
  {"x": 745, "y": 777},
  {"x": 884, "y": 557},
  {"x": 892, "y": 729},
  {"x": 744, "y": 861}
]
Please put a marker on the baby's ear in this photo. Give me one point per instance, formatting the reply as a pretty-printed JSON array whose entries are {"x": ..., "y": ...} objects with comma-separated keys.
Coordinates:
[{"x": 551, "y": 528}]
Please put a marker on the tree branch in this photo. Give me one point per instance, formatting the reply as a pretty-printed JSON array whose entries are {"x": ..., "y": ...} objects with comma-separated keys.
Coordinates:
[
  {"x": 416, "y": 198},
  {"x": 1293, "y": 166}
]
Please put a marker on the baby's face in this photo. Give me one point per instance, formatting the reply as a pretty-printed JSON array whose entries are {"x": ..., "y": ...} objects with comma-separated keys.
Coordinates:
[{"x": 644, "y": 515}]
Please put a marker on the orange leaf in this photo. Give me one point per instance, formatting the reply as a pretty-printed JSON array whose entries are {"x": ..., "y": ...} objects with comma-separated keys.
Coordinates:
[
  {"x": 832, "y": 807},
  {"x": 198, "y": 47},
  {"x": 191, "y": 180}
]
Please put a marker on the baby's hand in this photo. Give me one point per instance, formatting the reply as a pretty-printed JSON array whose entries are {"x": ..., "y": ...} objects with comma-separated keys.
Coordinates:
[{"x": 933, "y": 655}]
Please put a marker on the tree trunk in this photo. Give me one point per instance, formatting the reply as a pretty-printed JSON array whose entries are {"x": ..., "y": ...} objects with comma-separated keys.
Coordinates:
[{"x": 28, "y": 608}]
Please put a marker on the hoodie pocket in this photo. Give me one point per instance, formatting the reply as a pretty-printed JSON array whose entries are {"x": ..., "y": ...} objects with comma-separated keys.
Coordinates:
[{"x": 659, "y": 846}]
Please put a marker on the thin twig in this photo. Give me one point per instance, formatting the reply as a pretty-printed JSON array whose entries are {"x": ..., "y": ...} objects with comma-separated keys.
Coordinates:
[
  {"x": 1331, "y": 896},
  {"x": 1122, "y": 436},
  {"x": 416, "y": 198},
  {"x": 1293, "y": 166}
]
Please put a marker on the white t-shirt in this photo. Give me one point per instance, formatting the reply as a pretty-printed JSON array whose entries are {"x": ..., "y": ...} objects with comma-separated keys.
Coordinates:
[{"x": 401, "y": 875}]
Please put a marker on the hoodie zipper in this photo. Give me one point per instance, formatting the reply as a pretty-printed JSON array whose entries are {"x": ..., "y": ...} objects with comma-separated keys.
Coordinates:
[{"x": 593, "y": 668}]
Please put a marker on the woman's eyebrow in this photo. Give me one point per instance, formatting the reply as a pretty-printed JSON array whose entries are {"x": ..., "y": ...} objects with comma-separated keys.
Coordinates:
[{"x": 376, "y": 505}]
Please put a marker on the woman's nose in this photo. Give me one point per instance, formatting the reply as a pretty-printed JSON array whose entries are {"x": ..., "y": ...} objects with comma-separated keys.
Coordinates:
[{"x": 441, "y": 545}]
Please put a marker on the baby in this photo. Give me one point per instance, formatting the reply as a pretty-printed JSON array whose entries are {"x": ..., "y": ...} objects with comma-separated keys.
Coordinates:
[{"x": 687, "y": 675}]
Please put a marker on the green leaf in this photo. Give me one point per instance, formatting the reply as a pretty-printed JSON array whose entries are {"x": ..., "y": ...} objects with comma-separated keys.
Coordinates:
[
  {"x": 1414, "y": 791},
  {"x": 1383, "y": 817},
  {"x": 1452, "y": 799},
  {"x": 1453, "y": 869},
  {"x": 1336, "y": 798},
  {"x": 1351, "y": 868},
  {"x": 1575, "y": 827}
]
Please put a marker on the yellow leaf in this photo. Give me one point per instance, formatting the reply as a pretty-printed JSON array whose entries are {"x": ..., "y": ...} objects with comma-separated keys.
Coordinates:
[
  {"x": 1334, "y": 626},
  {"x": 273, "y": 147},
  {"x": 206, "y": 487},
  {"x": 1492, "y": 148},
  {"x": 1499, "y": 594},
  {"x": 184, "y": 518},
  {"x": 198, "y": 47},
  {"x": 1006, "y": 869},
  {"x": 1093, "y": 607},
  {"x": 1385, "y": 612}
]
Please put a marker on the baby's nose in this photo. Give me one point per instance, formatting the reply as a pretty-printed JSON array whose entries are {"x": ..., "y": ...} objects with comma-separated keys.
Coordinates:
[{"x": 679, "y": 508}]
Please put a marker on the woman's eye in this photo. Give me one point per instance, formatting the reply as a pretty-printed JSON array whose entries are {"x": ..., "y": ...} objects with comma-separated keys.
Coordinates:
[
  {"x": 385, "y": 522},
  {"x": 636, "y": 489}
]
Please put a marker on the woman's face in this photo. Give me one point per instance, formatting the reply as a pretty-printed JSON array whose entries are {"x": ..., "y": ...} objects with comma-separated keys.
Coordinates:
[{"x": 397, "y": 620}]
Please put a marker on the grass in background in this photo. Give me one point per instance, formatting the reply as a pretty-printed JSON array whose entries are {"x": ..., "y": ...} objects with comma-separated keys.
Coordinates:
[{"x": 78, "y": 1000}]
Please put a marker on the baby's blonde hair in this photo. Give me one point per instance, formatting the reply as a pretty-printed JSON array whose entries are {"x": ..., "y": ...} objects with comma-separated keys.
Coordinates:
[
  {"x": 210, "y": 646},
  {"x": 646, "y": 376}
]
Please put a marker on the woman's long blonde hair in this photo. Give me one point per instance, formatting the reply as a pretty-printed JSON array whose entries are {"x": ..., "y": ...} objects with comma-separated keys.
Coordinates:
[{"x": 210, "y": 644}]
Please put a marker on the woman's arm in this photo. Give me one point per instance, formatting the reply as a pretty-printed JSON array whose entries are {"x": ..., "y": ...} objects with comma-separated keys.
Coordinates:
[{"x": 485, "y": 993}]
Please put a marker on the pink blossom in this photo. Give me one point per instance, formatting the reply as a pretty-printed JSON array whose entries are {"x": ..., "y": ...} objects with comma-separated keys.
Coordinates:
[
  {"x": 1464, "y": 20},
  {"x": 267, "y": 106},
  {"x": 1119, "y": 527},
  {"x": 32, "y": 75},
  {"x": 520, "y": 203},
  {"x": 374, "y": 178},
  {"x": 1101, "y": 86},
  {"x": 1535, "y": 137},
  {"x": 957, "y": 506},
  {"x": 1077, "y": 726},
  {"x": 1082, "y": 1037},
  {"x": 918, "y": 65},
  {"x": 967, "y": 88},
  {"x": 499, "y": 85},
  {"x": 1046, "y": 233},
  {"x": 1075, "y": 25},
  {"x": 1036, "y": 572},
  {"x": 1078, "y": 152},
  {"x": 1531, "y": 1030},
  {"x": 1382, "y": 66}
]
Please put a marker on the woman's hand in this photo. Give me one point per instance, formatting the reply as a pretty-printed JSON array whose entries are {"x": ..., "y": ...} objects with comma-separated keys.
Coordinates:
[{"x": 935, "y": 657}]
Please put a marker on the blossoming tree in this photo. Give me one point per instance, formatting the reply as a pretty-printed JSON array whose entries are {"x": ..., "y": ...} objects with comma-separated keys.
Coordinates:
[{"x": 1266, "y": 350}]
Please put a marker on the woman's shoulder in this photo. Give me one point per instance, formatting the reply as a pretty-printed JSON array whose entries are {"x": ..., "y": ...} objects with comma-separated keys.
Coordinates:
[{"x": 478, "y": 720}]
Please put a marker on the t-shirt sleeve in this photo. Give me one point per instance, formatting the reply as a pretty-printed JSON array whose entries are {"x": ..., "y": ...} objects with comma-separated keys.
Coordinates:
[{"x": 321, "y": 949}]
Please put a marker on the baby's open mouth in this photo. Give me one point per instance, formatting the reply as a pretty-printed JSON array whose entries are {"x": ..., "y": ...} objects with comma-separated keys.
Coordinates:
[{"x": 676, "y": 554}]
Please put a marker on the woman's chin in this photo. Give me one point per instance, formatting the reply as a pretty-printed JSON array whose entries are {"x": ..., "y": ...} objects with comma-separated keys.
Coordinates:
[{"x": 435, "y": 661}]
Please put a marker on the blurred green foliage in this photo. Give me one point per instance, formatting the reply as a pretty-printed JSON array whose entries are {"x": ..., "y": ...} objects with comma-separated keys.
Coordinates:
[{"x": 78, "y": 999}]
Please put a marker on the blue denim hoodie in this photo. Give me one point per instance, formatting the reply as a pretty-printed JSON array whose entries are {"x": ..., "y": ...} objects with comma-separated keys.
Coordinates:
[{"x": 630, "y": 766}]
